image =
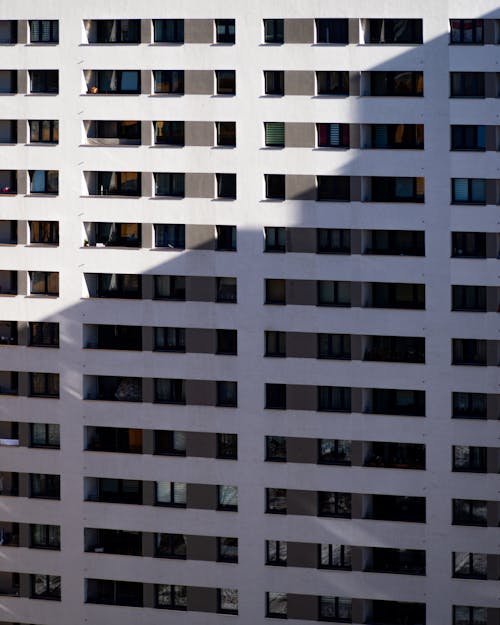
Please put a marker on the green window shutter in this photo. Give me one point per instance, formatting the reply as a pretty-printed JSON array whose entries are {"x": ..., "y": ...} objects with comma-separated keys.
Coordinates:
[{"x": 275, "y": 133}]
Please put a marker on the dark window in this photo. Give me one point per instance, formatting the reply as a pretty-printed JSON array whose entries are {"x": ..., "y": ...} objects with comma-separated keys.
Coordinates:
[
  {"x": 170, "y": 184},
  {"x": 110, "y": 592},
  {"x": 44, "y": 283},
  {"x": 114, "y": 132},
  {"x": 44, "y": 181},
  {"x": 274, "y": 31},
  {"x": 44, "y": 31},
  {"x": 111, "y": 490},
  {"x": 118, "y": 31},
  {"x": 8, "y": 332},
  {"x": 168, "y": 31},
  {"x": 334, "y": 504},
  {"x": 121, "y": 285},
  {"x": 398, "y": 295},
  {"x": 109, "y": 81},
  {"x": 44, "y": 384},
  {"x": 46, "y": 232},
  {"x": 171, "y": 494},
  {"x": 338, "y": 609},
  {"x": 170, "y": 546},
  {"x": 172, "y": 236},
  {"x": 113, "y": 541},
  {"x": 274, "y": 82},
  {"x": 8, "y": 128},
  {"x": 468, "y": 244},
  {"x": 397, "y": 136},
  {"x": 398, "y": 402},
  {"x": 467, "y": 84},
  {"x": 44, "y": 131},
  {"x": 334, "y": 556},
  {"x": 470, "y": 512},
  {"x": 470, "y": 565},
  {"x": 44, "y": 81},
  {"x": 226, "y": 186},
  {"x": 333, "y": 135},
  {"x": 45, "y": 486},
  {"x": 45, "y": 587},
  {"x": 169, "y": 133},
  {"x": 398, "y": 612},
  {"x": 468, "y": 138},
  {"x": 334, "y": 293},
  {"x": 275, "y": 343},
  {"x": 170, "y": 391},
  {"x": 117, "y": 183},
  {"x": 225, "y": 81},
  {"x": 169, "y": 81},
  {"x": 276, "y": 396},
  {"x": 275, "y": 239},
  {"x": 8, "y": 282},
  {"x": 170, "y": 287},
  {"x": 226, "y": 290},
  {"x": 227, "y": 394},
  {"x": 466, "y": 31},
  {"x": 335, "y": 346},
  {"x": 333, "y": 240},
  {"x": 396, "y": 455},
  {"x": 171, "y": 597},
  {"x": 276, "y": 604},
  {"x": 334, "y": 451},
  {"x": 45, "y": 536},
  {"x": 227, "y": 342},
  {"x": 469, "y": 615},
  {"x": 469, "y": 405},
  {"x": 170, "y": 442},
  {"x": 397, "y": 84},
  {"x": 405, "y": 561},
  {"x": 332, "y": 30},
  {"x": 116, "y": 440},
  {"x": 118, "y": 234},
  {"x": 468, "y": 191},
  {"x": 394, "y": 31},
  {"x": 276, "y": 448},
  {"x": 397, "y": 508},
  {"x": 227, "y": 549},
  {"x": 332, "y": 83},
  {"x": 395, "y": 349},
  {"x": 276, "y": 552},
  {"x": 8, "y": 81},
  {"x": 334, "y": 398},
  {"x": 396, "y": 242},
  {"x": 275, "y": 186},
  {"x": 275, "y": 291},
  {"x": 333, "y": 188},
  {"x": 45, "y": 435},
  {"x": 468, "y": 298},
  {"x": 227, "y": 446},
  {"x": 227, "y": 498},
  {"x": 470, "y": 459},
  {"x": 395, "y": 189},
  {"x": 276, "y": 500},
  {"x": 274, "y": 134},
  {"x": 469, "y": 352},
  {"x": 44, "y": 333},
  {"x": 8, "y": 31},
  {"x": 226, "y": 238},
  {"x": 226, "y": 134},
  {"x": 225, "y": 31}
]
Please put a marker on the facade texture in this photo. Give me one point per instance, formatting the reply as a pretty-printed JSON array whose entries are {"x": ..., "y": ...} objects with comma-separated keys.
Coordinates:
[{"x": 250, "y": 312}]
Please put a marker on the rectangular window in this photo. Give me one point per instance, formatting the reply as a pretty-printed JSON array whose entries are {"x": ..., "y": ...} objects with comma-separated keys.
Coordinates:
[
  {"x": 274, "y": 134},
  {"x": 227, "y": 549},
  {"x": 172, "y": 236},
  {"x": 45, "y": 435},
  {"x": 168, "y": 31},
  {"x": 44, "y": 385},
  {"x": 225, "y": 31},
  {"x": 226, "y": 238},
  {"x": 44, "y": 283},
  {"x": 396, "y": 189},
  {"x": 227, "y": 601},
  {"x": 470, "y": 459},
  {"x": 225, "y": 80},
  {"x": 117, "y": 31},
  {"x": 45, "y": 486},
  {"x": 44, "y": 232},
  {"x": 276, "y": 448},
  {"x": 8, "y": 130},
  {"x": 44, "y": 80},
  {"x": 170, "y": 287},
  {"x": 170, "y": 339},
  {"x": 45, "y": 536},
  {"x": 397, "y": 84},
  {"x": 469, "y": 615},
  {"x": 276, "y": 552},
  {"x": 44, "y": 181},
  {"x": 227, "y": 394},
  {"x": 334, "y": 346},
  {"x": 333, "y": 241},
  {"x": 44, "y": 130},
  {"x": 397, "y": 136},
  {"x": 335, "y": 609},
  {"x": 226, "y": 290},
  {"x": 126, "y": 183},
  {"x": 334, "y": 398},
  {"x": 171, "y": 494},
  {"x": 227, "y": 498},
  {"x": 390, "y": 31},
  {"x": 226, "y": 186},
  {"x": 45, "y": 587},
  {"x": 274, "y": 82},
  {"x": 468, "y": 137},
  {"x": 227, "y": 446},
  {"x": 44, "y": 31},
  {"x": 8, "y": 333},
  {"x": 119, "y": 285},
  {"x": 470, "y": 565},
  {"x": 468, "y": 298},
  {"x": 227, "y": 342},
  {"x": 170, "y": 391},
  {"x": 44, "y": 333},
  {"x": 274, "y": 31},
  {"x": 276, "y": 500},
  {"x": 333, "y": 188},
  {"x": 169, "y": 81},
  {"x": 276, "y": 604},
  {"x": 170, "y": 442},
  {"x": 335, "y": 556},
  {"x": 398, "y": 295},
  {"x": 8, "y": 81},
  {"x": 170, "y": 184},
  {"x": 467, "y": 85},
  {"x": 171, "y": 597},
  {"x": 333, "y": 451},
  {"x": 469, "y": 405},
  {"x": 469, "y": 352},
  {"x": 334, "y": 504},
  {"x": 470, "y": 512},
  {"x": 468, "y": 191},
  {"x": 275, "y": 396},
  {"x": 275, "y": 239},
  {"x": 466, "y": 31},
  {"x": 275, "y": 291},
  {"x": 468, "y": 244},
  {"x": 275, "y": 186},
  {"x": 334, "y": 293},
  {"x": 275, "y": 343},
  {"x": 226, "y": 134},
  {"x": 332, "y": 83},
  {"x": 333, "y": 135},
  {"x": 169, "y": 132},
  {"x": 170, "y": 546},
  {"x": 332, "y": 31},
  {"x": 8, "y": 32}
]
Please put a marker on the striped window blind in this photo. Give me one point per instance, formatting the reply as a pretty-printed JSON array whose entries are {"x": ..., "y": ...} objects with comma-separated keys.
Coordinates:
[
  {"x": 275, "y": 133},
  {"x": 460, "y": 189}
]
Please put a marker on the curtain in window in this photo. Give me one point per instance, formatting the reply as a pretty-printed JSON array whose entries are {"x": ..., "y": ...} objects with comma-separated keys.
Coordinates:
[
  {"x": 460, "y": 189},
  {"x": 38, "y": 181}
]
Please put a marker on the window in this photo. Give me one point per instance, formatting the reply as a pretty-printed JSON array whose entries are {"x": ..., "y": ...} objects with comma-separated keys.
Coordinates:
[
  {"x": 467, "y": 85},
  {"x": 332, "y": 31},
  {"x": 227, "y": 498},
  {"x": 468, "y": 244},
  {"x": 8, "y": 81},
  {"x": 169, "y": 184},
  {"x": 227, "y": 549},
  {"x": 170, "y": 339},
  {"x": 276, "y": 396},
  {"x": 111, "y": 592},
  {"x": 116, "y": 183},
  {"x": 226, "y": 186},
  {"x": 398, "y": 295},
  {"x": 122, "y": 285},
  {"x": 44, "y": 384},
  {"x": 227, "y": 446},
  {"x": 225, "y": 81},
  {"x": 334, "y": 398},
  {"x": 45, "y": 435},
  {"x": 45, "y": 486},
  {"x": 226, "y": 238},
  {"x": 170, "y": 546},
  {"x": 44, "y": 130},
  {"x": 44, "y": 333},
  {"x": 169, "y": 133},
  {"x": 8, "y": 282},
  {"x": 332, "y": 83},
  {"x": 226, "y": 134},
  {"x": 275, "y": 186},
  {"x": 225, "y": 31},
  {"x": 109, "y": 81},
  {"x": 45, "y": 587},
  {"x": 334, "y": 293},
  {"x": 275, "y": 291},
  {"x": 469, "y": 512},
  {"x": 275, "y": 343},
  {"x": 171, "y": 494},
  {"x": 8, "y": 333},
  {"x": 398, "y": 402},
  {"x": 469, "y": 405},
  {"x": 276, "y": 552},
  {"x": 227, "y": 342},
  {"x": 117, "y": 31},
  {"x": 397, "y": 84},
  {"x": 468, "y": 191},
  {"x": 170, "y": 235},
  {"x": 44, "y": 81},
  {"x": 274, "y": 31},
  {"x": 170, "y": 391},
  {"x": 469, "y": 615},
  {"x": 171, "y": 597},
  {"x": 333, "y": 135},
  {"x": 468, "y": 138},
  {"x": 396, "y": 242},
  {"x": 170, "y": 287},
  {"x": 275, "y": 239},
  {"x": 44, "y": 283},
  {"x": 466, "y": 31},
  {"x": 8, "y": 31},
  {"x": 8, "y": 129},
  {"x": 395, "y": 349},
  {"x": 44, "y": 181},
  {"x": 385, "y": 189},
  {"x": 169, "y": 81},
  {"x": 335, "y": 609},
  {"x": 333, "y": 451},
  {"x": 227, "y": 601},
  {"x": 170, "y": 442},
  {"x": 333, "y": 188},
  {"x": 226, "y": 290},
  {"x": 8, "y": 382},
  {"x": 44, "y": 232},
  {"x": 276, "y": 448},
  {"x": 274, "y": 134},
  {"x": 44, "y": 31},
  {"x": 276, "y": 500},
  {"x": 276, "y": 605},
  {"x": 274, "y": 82},
  {"x": 334, "y": 504},
  {"x": 397, "y": 136},
  {"x": 470, "y": 565},
  {"x": 168, "y": 31},
  {"x": 389, "y": 31},
  {"x": 468, "y": 298},
  {"x": 469, "y": 352},
  {"x": 335, "y": 556},
  {"x": 118, "y": 234},
  {"x": 335, "y": 346},
  {"x": 45, "y": 536},
  {"x": 227, "y": 394}
]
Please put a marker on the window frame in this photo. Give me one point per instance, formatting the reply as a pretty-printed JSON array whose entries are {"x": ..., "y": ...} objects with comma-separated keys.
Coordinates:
[
  {"x": 225, "y": 36},
  {"x": 332, "y": 504},
  {"x": 49, "y": 486},
  {"x": 170, "y": 236},
  {"x": 177, "y": 493},
  {"x": 477, "y": 37},
  {"x": 332, "y": 31},
  {"x": 172, "y": 132},
  {"x": 50, "y": 384},
  {"x": 281, "y": 456},
  {"x": 274, "y": 82},
  {"x": 280, "y": 548},
  {"x": 471, "y": 570},
  {"x": 225, "y": 82},
  {"x": 177, "y": 30},
  {"x": 169, "y": 551},
  {"x": 225, "y": 134},
  {"x": 49, "y": 181},
  {"x": 46, "y": 444},
  {"x": 48, "y": 541},
  {"x": 227, "y": 450},
  {"x": 53, "y": 34},
  {"x": 332, "y": 83},
  {"x": 276, "y": 501},
  {"x": 37, "y": 130},
  {"x": 168, "y": 82},
  {"x": 44, "y": 278},
  {"x": 51, "y": 583},
  {"x": 174, "y": 592},
  {"x": 227, "y": 557},
  {"x": 42, "y": 81},
  {"x": 274, "y": 31},
  {"x": 345, "y": 557}
]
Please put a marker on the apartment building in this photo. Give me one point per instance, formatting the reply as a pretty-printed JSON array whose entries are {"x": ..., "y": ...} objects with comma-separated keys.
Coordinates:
[{"x": 250, "y": 312}]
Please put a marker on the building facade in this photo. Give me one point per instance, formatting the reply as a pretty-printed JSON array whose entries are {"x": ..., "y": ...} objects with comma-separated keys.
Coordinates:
[{"x": 250, "y": 332}]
